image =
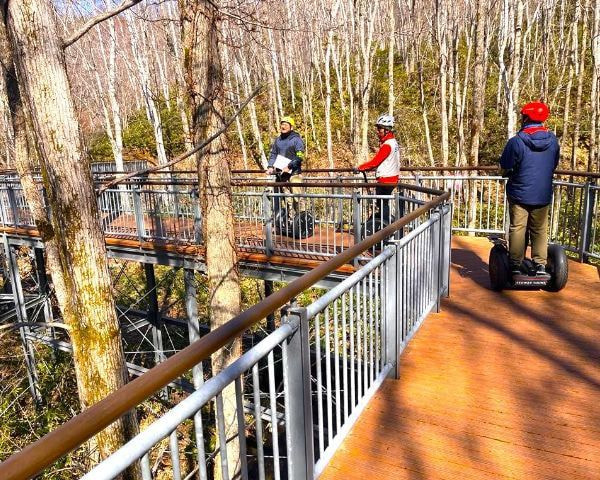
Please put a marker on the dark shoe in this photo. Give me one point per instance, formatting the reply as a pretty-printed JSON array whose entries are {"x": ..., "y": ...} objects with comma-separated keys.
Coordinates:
[
  {"x": 515, "y": 269},
  {"x": 540, "y": 269}
]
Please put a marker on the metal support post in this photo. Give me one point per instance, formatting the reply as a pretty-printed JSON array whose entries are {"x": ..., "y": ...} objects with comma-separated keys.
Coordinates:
[
  {"x": 138, "y": 213},
  {"x": 21, "y": 311},
  {"x": 437, "y": 238},
  {"x": 356, "y": 220},
  {"x": 268, "y": 223},
  {"x": 392, "y": 317},
  {"x": 12, "y": 200},
  {"x": 270, "y": 316},
  {"x": 587, "y": 221},
  {"x": 197, "y": 216},
  {"x": 43, "y": 287},
  {"x": 154, "y": 318},
  {"x": 191, "y": 307},
  {"x": 297, "y": 378}
]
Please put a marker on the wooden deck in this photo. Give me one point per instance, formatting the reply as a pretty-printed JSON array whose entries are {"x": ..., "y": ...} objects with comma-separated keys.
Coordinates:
[{"x": 497, "y": 386}]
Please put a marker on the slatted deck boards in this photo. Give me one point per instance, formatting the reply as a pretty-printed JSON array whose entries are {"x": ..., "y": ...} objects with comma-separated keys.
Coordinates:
[{"x": 497, "y": 386}]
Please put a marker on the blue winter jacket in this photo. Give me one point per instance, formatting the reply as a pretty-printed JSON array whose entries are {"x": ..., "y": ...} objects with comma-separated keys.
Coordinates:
[
  {"x": 291, "y": 146},
  {"x": 531, "y": 159}
]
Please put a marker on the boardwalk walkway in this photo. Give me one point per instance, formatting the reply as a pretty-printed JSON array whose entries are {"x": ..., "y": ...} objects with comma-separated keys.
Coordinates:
[{"x": 497, "y": 386}]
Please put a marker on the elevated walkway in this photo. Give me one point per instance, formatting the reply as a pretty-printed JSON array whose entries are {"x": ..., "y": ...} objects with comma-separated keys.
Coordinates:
[{"x": 496, "y": 386}]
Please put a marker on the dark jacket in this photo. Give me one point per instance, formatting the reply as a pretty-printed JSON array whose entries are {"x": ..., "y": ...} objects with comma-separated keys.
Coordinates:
[
  {"x": 291, "y": 146},
  {"x": 531, "y": 156}
]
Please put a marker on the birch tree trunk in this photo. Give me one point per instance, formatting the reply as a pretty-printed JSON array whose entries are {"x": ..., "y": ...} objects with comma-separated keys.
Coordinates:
[
  {"x": 593, "y": 153},
  {"x": 580, "y": 82},
  {"x": 442, "y": 37},
  {"x": 200, "y": 23},
  {"x": 88, "y": 306}
]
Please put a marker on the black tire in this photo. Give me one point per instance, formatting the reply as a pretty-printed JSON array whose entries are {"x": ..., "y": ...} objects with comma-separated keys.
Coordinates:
[
  {"x": 558, "y": 268},
  {"x": 373, "y": 224},
  {"x": 499, "y": 268},
  {"x": 303, "y": 225},
  {"x": 281, "y": 222}
]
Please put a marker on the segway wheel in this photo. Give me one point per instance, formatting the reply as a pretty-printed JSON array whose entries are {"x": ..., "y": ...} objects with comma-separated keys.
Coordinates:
[
  {"x": 281, "y": 222},
  {"x": 558, "y": 267},
  {"x": 499, "y": 267},
  {"x": 303, "y": 225},
  {"x": 372, "y": 225}
]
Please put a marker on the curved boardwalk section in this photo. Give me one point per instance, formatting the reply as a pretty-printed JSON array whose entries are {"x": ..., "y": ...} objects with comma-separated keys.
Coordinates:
[{"x": 497, "y": 386}]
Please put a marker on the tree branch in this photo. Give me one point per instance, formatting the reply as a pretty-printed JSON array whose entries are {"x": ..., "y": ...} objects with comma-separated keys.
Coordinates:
[
  {"x": 98, "y": 19},
  {"x": 185, "y": 155}
]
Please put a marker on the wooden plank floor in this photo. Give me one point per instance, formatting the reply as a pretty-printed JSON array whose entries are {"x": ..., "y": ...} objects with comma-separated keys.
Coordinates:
[{"x": 497, "y": 386}]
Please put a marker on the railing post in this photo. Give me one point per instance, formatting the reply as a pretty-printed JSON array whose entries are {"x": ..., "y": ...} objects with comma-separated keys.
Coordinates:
[
  {"x": 356, "y": 219},
  {"x": 268, "y": 223},
  {"x": 391, "y": 312},
  {"x": 139, "y": 215},
  {"x": 297, "y": 378},
  {"x": 12, "y": 200},
  {"x": 585, "y": 242},
  {"x": 197, "y": 216}
]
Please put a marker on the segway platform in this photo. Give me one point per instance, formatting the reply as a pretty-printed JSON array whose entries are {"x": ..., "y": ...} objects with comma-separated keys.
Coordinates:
[
  {"x": 501, "y": 276},
  {"x": 530, "y": 281}
]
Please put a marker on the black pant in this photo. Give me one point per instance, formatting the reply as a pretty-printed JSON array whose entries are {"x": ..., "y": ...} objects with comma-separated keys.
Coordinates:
[
  {"x": 280, "y": 177},
  {"x": 383, "y": 205}
]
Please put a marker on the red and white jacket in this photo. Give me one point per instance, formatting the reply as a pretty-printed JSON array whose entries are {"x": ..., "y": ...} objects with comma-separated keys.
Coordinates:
[{"x": 386, "y": 161}]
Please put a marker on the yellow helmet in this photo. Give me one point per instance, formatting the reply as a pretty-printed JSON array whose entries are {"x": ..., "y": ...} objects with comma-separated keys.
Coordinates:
[{"x": 289, "y": 120}]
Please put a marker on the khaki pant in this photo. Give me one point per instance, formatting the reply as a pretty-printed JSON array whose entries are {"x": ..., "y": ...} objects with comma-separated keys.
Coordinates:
[
  {"x": 298, "y": 203},
  {"x": 534, "y": 218}
]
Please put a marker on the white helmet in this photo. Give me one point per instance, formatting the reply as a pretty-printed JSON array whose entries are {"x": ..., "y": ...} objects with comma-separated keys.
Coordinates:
[{"x": 386, "y": 121}]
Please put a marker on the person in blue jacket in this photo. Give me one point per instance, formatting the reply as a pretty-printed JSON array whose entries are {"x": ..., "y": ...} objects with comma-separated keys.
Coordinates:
[
  {"x": 529, "y": 160},
  {"x": 285, "y": 159}
]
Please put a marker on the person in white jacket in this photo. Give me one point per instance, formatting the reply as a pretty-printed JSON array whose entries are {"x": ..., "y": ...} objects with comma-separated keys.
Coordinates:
[{"x": 386, "y": 162}]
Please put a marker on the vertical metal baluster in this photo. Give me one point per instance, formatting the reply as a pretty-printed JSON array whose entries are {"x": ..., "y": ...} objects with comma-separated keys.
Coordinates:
[
  {"x": 358, "y": 343},
  {"x": 365, "y": 337},
  {"x": 328, "y": 379},
  {"x": 145, "y": 466},
  {"x": 345, "y": 356},
  {"x": 274, "y": 426},
  {"x": 352, "y": 356},
  {"x": 372, "y": 324},
  {"x": 260, "y": 453},
  {"x": 336, "y": 365},
  {"x": 174, "y": 447},
  {"x": 319, "y": 383},
  {"x": 378, "y": 319},
  {"x": 241, "y": 427},
  {"x": 222, "y": 437}
]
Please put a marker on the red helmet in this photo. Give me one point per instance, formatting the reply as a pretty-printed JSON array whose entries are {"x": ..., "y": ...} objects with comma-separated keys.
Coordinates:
[{"x": 536, "y": 111}]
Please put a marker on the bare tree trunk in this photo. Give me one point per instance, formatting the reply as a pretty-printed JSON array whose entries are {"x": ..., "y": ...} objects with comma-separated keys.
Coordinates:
[
  {"x": 580, "y": 82},
  {"x": 515, "y": 70},
  {"x": 391, "y": 44},
  {"x": 573, "y": 68},
  {"x": 424, "y": 114},
  {"x": 88, "y": 306},
  {"x": 204, "y": 75},
  {"x": 442, "y": 38},
  {"x": 593, "y": 153}
]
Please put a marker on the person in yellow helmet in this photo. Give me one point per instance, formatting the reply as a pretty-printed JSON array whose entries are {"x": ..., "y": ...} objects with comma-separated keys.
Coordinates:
[{"x": 287, "y": 153}]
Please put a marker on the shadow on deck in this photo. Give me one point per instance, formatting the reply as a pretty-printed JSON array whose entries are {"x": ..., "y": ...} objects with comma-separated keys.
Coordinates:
[{"x": 496, "y": 386}]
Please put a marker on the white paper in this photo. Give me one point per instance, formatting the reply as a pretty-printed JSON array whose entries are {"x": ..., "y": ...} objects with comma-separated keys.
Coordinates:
[{"x": 281, "y": 162}]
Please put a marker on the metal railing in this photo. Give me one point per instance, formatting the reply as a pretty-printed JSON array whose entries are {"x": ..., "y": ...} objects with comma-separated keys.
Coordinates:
[
  {"x": 295, "y": 395},
  {"x": 339, "y": 208}
]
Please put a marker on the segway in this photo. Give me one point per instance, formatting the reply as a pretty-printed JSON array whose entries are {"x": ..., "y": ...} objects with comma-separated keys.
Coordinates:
[
  {"x": 555, "y": 278},
  {"x": 301, "y": 225},
  {"x": 374, "y": 222}
]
